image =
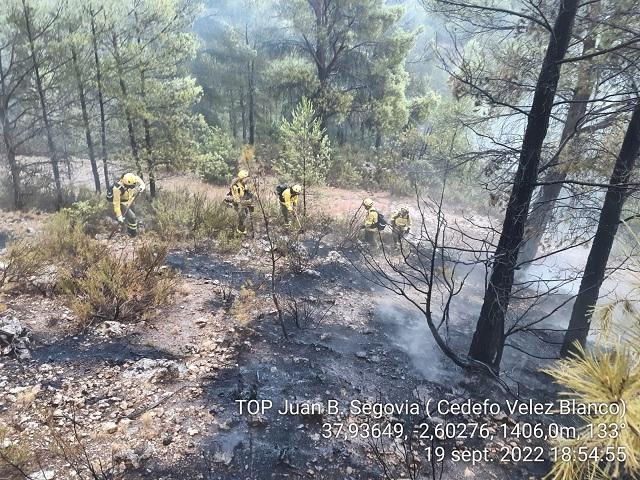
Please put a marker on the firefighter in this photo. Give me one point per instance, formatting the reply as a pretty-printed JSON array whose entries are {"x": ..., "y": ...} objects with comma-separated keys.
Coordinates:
[
  {"x": 288, "y": 197},
  {"x": 370, "y": 222},
  {"x": 123, "y": 193},
  {"x": 400, "y": 224},
  {"x": 241, "y": 198}
]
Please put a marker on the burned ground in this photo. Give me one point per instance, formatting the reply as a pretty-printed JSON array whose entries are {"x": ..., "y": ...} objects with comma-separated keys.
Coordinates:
[{"x": 157, "y": 399}]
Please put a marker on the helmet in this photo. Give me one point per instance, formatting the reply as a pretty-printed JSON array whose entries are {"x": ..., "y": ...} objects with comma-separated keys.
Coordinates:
[
  {"x": 296, "y": 188},
  {"x": 367, "y": 203},
  {"x": 243, "y": 174},
  {"x": 404, "y": 209},
  {"x": 129, "y": 179}
]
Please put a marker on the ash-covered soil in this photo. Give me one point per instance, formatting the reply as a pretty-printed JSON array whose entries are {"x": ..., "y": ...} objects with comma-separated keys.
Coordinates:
[{"x": 159, "y": 399}]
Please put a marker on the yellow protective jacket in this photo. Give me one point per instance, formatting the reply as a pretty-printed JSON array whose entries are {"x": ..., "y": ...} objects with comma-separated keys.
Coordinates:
[
  {"x": 238, "y": 189},
  {"x": 371, "y": 220},
  {"x": 289, "y": 199},
  {"x": 125, "y": 195},
  {"x": 401, "y": 222}
]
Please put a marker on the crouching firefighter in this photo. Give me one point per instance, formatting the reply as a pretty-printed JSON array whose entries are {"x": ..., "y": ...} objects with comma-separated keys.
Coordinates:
[
  {"x": 288, "y": 197},
  {"x": 122, "y": 194},
  {"x": 241, "y": 198},
  {"x": 400, "y": 224},
  {"x": 374, "y": 222}
]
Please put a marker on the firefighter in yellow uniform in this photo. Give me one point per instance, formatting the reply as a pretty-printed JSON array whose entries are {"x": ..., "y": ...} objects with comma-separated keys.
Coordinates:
[
  {"x": 370, "y": 222},
  {"x": 124, "y": 193},
  {"x": 400, "y": 224},
  {"x": 289, "y": 202},
  {"x": 241, "y": 197}
]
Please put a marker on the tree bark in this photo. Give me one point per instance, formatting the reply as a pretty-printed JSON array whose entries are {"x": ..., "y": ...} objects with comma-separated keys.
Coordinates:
[
  {"x": 488, "y": 339},
  {"x": 8, "y": 139},
  {"x": 85, "y": 118},
  {"x": 43, "y": 106},
  {"x": 232, "y": 116},
  {"x": 127, "y": 113},
  {"x": 252, "y": 106},
  {"x": 595, "y": 268},
  {"x": 542, "y": 210},
  {"x": 103, "y": 123},
  {"x": 151, "y": 164}
]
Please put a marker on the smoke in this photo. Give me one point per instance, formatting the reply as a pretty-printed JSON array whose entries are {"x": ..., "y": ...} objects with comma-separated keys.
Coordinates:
[{"x": 408, "y": 331}]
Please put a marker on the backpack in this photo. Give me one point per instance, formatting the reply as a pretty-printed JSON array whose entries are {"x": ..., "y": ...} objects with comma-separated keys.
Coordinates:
[
  {"x": 109, "y": 192},
  {"x": 280, "y": 190},
  {"x": 382, "y": 222}
]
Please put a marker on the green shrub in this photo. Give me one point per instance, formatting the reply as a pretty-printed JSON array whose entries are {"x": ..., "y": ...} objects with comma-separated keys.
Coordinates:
[
  {"x": 122, "y": 287},
  {"x": 89, "y": 214},
  {"x": 183, "y": 216},
  {"x": 216, "y": 154},
  {"x": 305, "y": 147}
]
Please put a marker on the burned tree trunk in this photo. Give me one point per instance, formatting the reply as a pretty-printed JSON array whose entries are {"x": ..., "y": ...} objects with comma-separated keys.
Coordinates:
[
  {"x": 488, "y": 339},
  {"x": 594, "y": 271},
  {"x": 103, "y": 123},
  {"x": 543, "y": 206},
  {"x": 85, "y": 118}
]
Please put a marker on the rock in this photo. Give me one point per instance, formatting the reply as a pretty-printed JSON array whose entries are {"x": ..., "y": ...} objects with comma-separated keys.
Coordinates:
[
  {"x": 128, "y": 457},
  {"x": 43, "y": 475},
  {"x": 336, "y": 257},
  {"x": 361, "y": 354},
  {"x": 14, "y": 338},
  {"x": 225, "y": 457},
  {"x": 312, "y": 273},
  {"x": 202, "y": 322},
  {"x": 156, "y": 370},
  {"x": 111, "y": 329},
  {"x": 192, "y": 431},
  {"x": 258, "y": 420},
  {"x": 468, "y": 473},
  {"x": 325, "y": 336},
  {"x": 167, "y": 438},
  {"x": 110, "y": 427}
]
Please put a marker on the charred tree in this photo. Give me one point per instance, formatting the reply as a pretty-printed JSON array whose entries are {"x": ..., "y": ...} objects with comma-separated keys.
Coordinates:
[
  {"x": 543, "y": 206},
  {"x": 594, "y": 271},
  {"x": 488, "y": 340},
  {"x": 31, "y": 36},
  {"x": 85, "y": 117},
  {"x": 103, "y": 122}
]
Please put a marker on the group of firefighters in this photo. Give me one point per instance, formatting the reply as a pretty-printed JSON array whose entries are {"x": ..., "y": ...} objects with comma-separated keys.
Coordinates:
[{"x": 123, "y": 193}]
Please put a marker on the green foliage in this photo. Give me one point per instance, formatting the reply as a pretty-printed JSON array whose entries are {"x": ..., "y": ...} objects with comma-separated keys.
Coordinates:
[
  {"x": 98, "y": 285},
  {"x": 215, "y": 158},
  {"x": 192, "y": 217},
  {"x": 89, "y": 214},
  {"x": 305, "y": 155}
]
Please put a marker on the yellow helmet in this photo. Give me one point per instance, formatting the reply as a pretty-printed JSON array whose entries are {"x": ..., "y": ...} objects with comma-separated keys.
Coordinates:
[
  {"x": 297, "y": 188},
  {"x": 243, "y": 174},
  {"x": 367, "y": 203},
  {"x": 129, "y": 179}
]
